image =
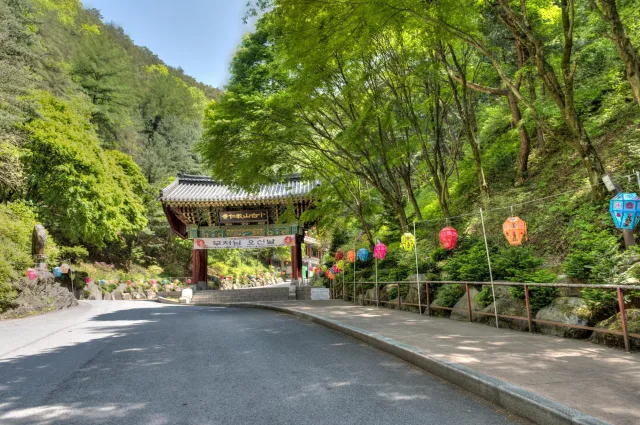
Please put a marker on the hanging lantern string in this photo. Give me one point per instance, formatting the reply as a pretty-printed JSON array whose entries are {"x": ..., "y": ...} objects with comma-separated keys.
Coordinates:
[{"x": 636, "y": 174}]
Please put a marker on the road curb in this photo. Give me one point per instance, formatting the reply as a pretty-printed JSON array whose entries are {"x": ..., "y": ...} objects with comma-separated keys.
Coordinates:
[{"x": 512, "y": 398}]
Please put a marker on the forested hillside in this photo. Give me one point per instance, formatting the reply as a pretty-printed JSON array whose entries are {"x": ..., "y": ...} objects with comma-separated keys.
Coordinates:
[
  {"x": 428, "y": 111},
  {"x": 91, "y": 126}
]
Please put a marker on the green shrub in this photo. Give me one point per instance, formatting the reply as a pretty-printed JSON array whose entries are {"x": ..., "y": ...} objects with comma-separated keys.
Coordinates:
[
  {"x": 75, "y": 254},
  {"x": 448, "y": 295},
  {"x": 468, "y": 264},
  {"x": 484, "y": 297},
  {"x": 18, "y": 220}
]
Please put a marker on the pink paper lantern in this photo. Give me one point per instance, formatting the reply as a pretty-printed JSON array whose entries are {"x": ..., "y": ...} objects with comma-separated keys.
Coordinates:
[
  {"x": 448, "y": 238},
  {"x": 87, "y": 279},
  {"x": 188, "y": 281},
  {"x": 32, "y": 274},
  {"x": 380, "y": 251},
  {"x": 152, "y": 281}
]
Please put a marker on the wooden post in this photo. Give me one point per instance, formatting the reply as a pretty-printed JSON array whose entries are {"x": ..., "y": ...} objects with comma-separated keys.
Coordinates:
[
  {"x": 469, "y": 302},
  {"x": 623, "y": 319},
  {"x": 427, "y": 288},
  {"x": 527, "y": 303}
]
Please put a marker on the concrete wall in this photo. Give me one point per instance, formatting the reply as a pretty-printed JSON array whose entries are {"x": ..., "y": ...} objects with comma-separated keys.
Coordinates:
[{"x": 241, "y": 295}]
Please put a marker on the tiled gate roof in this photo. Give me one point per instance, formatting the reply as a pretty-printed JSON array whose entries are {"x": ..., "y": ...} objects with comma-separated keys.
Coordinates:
[{"x": 191, "y": 189}]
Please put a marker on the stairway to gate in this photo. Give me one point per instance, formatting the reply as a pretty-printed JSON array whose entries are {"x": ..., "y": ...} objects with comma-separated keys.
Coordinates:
[{"x": 241, "y": 295}]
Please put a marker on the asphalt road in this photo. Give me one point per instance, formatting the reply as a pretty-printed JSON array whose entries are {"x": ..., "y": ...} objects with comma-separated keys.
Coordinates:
[{"x": 145, "y": 363}]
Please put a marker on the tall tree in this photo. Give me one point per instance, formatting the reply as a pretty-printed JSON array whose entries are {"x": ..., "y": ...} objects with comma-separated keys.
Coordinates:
[{"x": 627, "y": 51}]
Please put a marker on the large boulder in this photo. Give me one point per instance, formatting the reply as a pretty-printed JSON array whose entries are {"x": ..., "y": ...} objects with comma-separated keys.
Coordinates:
[
  {"x": 370, "y": 295},
  {"x": 126, "y": 296},
  {"x": 614, "y": 323},
  {"x": 139, "y": 296},
  {"x": 571, "y": 310},
  {"x": 510, "y": 307},
  {"x": 462, "y": 305},
  {"x": 443, "y": 298},
  {"x": 92, "y": 291},
  {"x": 152, "y": 295},
  {"x": 117, "y": 295},
  {"x": 412, "y": 298},
  {"x": 39, "y": 296}
]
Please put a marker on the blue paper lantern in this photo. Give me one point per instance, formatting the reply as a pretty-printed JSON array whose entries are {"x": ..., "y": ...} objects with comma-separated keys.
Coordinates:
[
  {"x": 363, "y": 254},
  {"x": 57, "y": 271},
  {"x": 625, "y": 210},
  {"x": 102, "y": 282}
]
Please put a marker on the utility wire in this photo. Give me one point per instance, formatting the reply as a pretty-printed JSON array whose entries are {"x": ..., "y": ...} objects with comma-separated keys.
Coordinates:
[{"x": 629, "y": 176}]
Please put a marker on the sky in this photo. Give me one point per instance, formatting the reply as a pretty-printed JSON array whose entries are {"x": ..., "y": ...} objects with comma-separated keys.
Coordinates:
[{"x": 198, "y": 35}]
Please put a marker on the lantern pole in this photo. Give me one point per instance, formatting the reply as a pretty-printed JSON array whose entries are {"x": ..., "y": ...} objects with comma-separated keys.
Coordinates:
[
  {"x": 344, "y": 291},
  {"x": 377, "y": 292},
  {"x": 355, "y": 260},
  {"x": 486, "y": 246},
  {"x": 415, "y": 249}
]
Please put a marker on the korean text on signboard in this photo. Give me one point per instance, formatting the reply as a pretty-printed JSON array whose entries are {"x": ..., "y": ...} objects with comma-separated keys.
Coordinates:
[
  {"x": 244, "y": 243},
  {"x": 245, "y": 216}
]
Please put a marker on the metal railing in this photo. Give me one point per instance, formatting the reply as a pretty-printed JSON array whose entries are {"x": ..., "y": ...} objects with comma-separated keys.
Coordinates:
[{"x": 428, "y": 308}]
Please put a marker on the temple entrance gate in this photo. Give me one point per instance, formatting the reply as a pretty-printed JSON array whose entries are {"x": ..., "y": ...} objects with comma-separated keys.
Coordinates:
[{"x": 216, "y": 216}]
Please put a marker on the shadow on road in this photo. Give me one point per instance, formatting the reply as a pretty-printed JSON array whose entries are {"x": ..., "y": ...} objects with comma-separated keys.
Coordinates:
[{"x": 194, "y": 365}]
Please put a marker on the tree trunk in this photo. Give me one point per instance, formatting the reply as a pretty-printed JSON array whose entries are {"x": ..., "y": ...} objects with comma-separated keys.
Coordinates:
[
  {"x": 525, "y": 141},
  {"x": 406, "y": 179},
  {"x": 540, "y": 142},
  {"x": 623, "y": 44}
]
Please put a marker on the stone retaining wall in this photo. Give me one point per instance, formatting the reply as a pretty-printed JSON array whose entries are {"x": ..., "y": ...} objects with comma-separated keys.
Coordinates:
[
  {"x": 241, "y": 295},
  {"x": 303, "y": 293}
]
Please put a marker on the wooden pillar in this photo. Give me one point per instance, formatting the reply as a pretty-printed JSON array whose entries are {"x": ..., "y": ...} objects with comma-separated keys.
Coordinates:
[
  {"x": 294, "y": 262},
  {"x": 199, "y": 266},
  {"x": 296, "y": 259},
  {"x": 299, "y": 239}
]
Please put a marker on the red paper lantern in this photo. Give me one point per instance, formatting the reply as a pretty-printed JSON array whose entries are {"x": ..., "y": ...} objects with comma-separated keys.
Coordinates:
[
  {"x": 188, "y": 281},
  {"x": 351, "y": 256},
  {"x": 448, "y": 237},
  {"x": 128, "y": 282},
  {"x": 515, "y": 230},
  {"x": 380, "y": 251},
  {"x": 339, "y": 255},
  {"x": 87, "y": 279},
  {"x": 32, "y": 274}
]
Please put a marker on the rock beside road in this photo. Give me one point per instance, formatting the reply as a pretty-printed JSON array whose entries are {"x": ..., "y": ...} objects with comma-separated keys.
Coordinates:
[
  {"x": 614, "y": 323},
  {"x": 570, "y": 310},
  {"x": 38, "y": 296}
]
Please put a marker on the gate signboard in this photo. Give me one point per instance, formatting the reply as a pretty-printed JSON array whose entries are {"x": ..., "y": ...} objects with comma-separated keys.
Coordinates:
[
  {"x": 244, "y": 243},
  {"x": 244, "y": 216}
]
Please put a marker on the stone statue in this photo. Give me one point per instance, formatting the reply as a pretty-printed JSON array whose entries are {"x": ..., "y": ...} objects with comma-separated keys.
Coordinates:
[{"x": 38, "y": 244}]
